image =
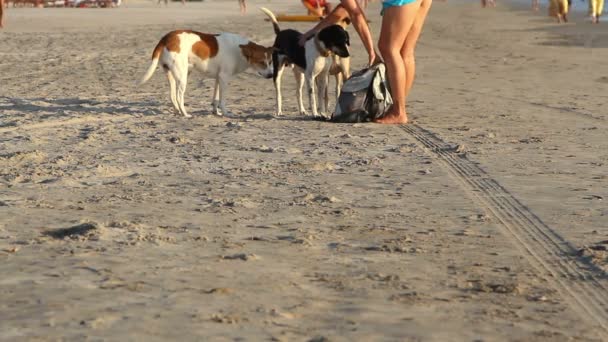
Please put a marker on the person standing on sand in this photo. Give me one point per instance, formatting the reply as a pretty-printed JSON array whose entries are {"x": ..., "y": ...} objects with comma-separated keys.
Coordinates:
[
  {"x": 167, "y": 2},
  {"x": 1, "y": 13},
  {"x": 486, "y": 3},
  {"x": 243, "y": 6},
  {"x": 402, "y": 23},
  {"x": 596, "y": 8},
  {"x": 559, "y": 9},
  {"x": 535, "y": 5}
]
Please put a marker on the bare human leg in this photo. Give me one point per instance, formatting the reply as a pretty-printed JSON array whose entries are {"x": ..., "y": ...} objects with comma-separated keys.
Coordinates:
[
  {"x": 396, "y": 24},
  {"x": 407, "y": 52}
]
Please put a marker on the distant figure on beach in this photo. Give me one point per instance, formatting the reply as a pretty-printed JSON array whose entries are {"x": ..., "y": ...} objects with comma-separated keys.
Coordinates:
[
  {"x": 243, "y": 6},
  {"x": 535, "y": 5},
  {"x": 559, "y": 10},
  {"x": 317, "y": 7},
  {"x": 1, "y": 13},
  {"x": 167, "y": 2},
  {"x": 402, "y": 22},
  {"x": 596, "y": 8},
  {"x": 488, "y": 3}
]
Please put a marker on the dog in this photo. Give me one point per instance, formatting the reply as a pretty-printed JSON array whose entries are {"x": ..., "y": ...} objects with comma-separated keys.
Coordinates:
[
  {"x": 311, "y": 63},
  {"x": 220, "y": 55}
]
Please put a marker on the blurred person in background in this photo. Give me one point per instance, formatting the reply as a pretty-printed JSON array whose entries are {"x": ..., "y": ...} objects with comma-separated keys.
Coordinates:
[
  {"x": 596, "y": 8},
  {"x": 1, "y": 13},
  {"x": 488, "y": 3},
  {"x": 318, "y": 8},
  {"x": 535, "y": 5},
  {"x": 559, "y": 10}
]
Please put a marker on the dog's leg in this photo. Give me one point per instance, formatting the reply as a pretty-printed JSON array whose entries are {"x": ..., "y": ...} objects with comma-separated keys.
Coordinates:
[
  {"x": 277, "y": 87},
  {"x": 344, "y": 74},
  {"x": 216, "y": 97},
  {"x": 173, "y": 90},
  {"x": 326, "y": 93},
  {"x": 338, "y": 84},
  {"x": 346, "y": 68},
  {"x": 323, "y": 97},
  {"x": 223, "y": 80},
  {"x": 312, "y": 93},
  {"x": 299, "y": 75},
  {"x": 181, "y": 77}
]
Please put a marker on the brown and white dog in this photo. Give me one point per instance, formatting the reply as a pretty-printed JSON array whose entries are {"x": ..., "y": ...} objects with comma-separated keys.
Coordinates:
[{"x": 219, "y": 55}]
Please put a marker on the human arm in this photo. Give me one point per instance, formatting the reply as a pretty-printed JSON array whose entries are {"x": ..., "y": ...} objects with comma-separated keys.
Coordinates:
[
  {"x": 347, "y": 9},
  {"x": 359, "y": 21},
  {"x": 339, "y": 14}
]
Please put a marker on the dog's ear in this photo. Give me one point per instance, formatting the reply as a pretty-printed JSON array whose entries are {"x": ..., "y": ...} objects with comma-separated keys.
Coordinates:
[
  {"x": 269, "y": 50},
  {"x": 246, "y": 50}
]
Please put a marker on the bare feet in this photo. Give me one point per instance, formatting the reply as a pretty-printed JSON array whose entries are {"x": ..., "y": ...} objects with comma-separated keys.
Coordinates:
[{"x": 393, "y": 118}]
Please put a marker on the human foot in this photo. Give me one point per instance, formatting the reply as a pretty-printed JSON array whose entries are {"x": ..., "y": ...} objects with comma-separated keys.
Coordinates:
[{"x": 392, "y": 118}]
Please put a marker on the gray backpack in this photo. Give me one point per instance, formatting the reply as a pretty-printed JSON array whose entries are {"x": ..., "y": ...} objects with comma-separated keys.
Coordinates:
[{"x": 364, "y": 97}]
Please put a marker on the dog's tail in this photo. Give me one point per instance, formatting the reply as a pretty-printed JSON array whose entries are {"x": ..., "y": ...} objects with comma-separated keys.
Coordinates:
[
  {"x": 275, "y": 23},
  {"x": 155, "y": 57}
]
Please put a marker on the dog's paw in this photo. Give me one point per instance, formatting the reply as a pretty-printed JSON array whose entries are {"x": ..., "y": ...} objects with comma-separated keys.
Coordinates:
[{"x": 304, "y": 113}]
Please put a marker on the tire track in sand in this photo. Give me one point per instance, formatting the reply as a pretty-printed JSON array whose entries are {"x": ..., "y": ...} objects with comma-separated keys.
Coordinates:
[{"x": 582, "y": 284}]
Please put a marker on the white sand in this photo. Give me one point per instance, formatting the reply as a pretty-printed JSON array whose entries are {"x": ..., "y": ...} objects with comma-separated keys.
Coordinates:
[{"x": 122, "y": 221}]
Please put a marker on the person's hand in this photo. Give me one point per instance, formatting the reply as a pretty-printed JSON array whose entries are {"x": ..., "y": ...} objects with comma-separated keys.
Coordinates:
[{"x": 374, "y": 59}]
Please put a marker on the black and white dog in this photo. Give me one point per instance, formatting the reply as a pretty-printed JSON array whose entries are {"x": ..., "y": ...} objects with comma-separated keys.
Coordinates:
[{"x": 311, "y": 62}]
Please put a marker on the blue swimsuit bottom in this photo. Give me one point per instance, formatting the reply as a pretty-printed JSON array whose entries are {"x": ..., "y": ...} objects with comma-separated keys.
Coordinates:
[{"x": 390, "y": 3}]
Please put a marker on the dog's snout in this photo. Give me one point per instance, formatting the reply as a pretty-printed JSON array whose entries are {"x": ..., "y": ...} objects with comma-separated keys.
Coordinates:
[
  {"x": 266, "y": 73},
  {"x": 341, "y": 51}
]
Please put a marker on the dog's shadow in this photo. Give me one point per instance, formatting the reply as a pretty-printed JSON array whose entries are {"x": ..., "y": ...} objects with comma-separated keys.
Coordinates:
[
  {"x": 285, "y": 118},
  {"x": 253, "y": 115},
  {"x": 67, "y": 107}
]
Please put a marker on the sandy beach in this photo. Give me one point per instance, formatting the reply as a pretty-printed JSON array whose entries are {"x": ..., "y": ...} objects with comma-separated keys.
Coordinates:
[{"x": 483, "y": 220}]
